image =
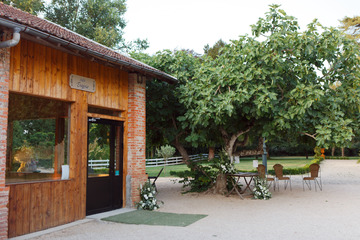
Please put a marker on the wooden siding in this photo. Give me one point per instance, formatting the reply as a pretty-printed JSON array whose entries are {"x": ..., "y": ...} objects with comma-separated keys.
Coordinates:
[
  {"x": 44, "y": 71},
  {"x": 37, "y": 206}
]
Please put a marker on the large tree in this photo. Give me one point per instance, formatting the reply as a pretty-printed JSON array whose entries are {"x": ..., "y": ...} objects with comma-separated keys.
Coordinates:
[
  {"x": 100, "y": 20},
  {"x": 163, "y": 108},
  {"x": 31, "y": 6},
  {"x": 279, "y": 79}
]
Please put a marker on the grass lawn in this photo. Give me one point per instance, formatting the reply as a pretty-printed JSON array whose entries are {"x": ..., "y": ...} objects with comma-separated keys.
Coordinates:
[{"x": 246, "y": 164}]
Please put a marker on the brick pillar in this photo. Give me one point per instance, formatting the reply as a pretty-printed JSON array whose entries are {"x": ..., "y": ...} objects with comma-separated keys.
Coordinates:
[
  {"x": 136, "y": 135},
  {"x": 4, "y": 99}
]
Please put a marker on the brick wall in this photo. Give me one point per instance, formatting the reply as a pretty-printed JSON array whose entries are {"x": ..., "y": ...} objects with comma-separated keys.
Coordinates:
[
  {"x": 136, "y": 135},
  {"x": 4, "y": 99}
]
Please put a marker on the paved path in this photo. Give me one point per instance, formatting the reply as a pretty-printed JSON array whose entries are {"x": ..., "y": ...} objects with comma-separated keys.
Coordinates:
[{"x": 329, "y": 214}]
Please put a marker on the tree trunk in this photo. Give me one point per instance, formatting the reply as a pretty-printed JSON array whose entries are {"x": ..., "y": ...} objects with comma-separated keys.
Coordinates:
[
  {"x": 211, "y": 153},
  {"x": 182, "y": 151},
  {"x": 186, "y": 158},
  {"x": 343, "y": 152},
  {"x": 230, "y": 140},
  {"x": 230, "y": 144},
  {"x": 332, "y": 151},
  {"x": 229, "y": 150},
  {"x": 220, "y": 184}
]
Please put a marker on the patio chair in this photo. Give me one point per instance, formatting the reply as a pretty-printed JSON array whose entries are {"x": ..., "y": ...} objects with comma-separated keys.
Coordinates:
[
  {"x": 315, "y": 175},
  {"x": 155, "y": 178},
  {"x": 262, "y": 174},
  {"x": 279, "y": 176}
]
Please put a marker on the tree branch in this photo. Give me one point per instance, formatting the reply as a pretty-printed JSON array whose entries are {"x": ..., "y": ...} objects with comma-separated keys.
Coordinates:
[
  {"x": 242, "y": 143},
  {"x": 313, "y": 136},
  {"x": 239, "y": 133},
  {"x": 224, "y": 133},
  {"x": 282, "y": 91},
  {"x": 174, "y": 122}
]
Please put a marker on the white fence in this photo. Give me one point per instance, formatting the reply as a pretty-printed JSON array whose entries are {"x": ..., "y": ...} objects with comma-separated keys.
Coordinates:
[
  {"x": 155, "y": 162},
  {"x": 99, "y": 164}
]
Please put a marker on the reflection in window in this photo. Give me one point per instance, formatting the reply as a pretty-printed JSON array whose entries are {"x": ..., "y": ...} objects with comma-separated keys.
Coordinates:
[
  {"x": 99, "y": 150},
  {"x": 37, "y": 139}
]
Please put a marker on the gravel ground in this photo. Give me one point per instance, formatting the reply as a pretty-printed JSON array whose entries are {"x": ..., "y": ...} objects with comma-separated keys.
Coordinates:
[{"x": 329, "y": 214}]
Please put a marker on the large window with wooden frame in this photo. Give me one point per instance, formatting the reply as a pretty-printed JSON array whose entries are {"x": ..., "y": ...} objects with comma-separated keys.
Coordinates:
[{"x": 37, "y": 141}]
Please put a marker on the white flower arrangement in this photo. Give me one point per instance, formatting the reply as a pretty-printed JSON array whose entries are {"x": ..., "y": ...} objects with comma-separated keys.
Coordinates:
[
  {"x": 148, "y": 200},
  {"x": 261, "y": 189}
]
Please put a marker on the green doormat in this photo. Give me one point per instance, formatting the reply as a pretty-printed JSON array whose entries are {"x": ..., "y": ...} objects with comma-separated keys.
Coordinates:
[{"x": 155, "y": 218}]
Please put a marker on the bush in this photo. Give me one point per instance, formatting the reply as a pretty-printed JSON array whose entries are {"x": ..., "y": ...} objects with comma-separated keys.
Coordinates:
[
  {"x": 336, "y": 157},
  {"x": 202, "y": 176},
  {"x": 317, "y": 151},
  {"x": 196, "y": 179}
]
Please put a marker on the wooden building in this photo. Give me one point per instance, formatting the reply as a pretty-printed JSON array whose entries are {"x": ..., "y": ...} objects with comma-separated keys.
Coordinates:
[{"x": 72, "y": 122}]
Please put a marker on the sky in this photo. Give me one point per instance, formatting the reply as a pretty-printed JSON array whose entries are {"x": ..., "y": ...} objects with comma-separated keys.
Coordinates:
[{"x": 191, "y": 24}]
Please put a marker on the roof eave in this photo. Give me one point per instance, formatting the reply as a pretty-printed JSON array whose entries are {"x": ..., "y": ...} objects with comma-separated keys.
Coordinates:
[{"x": 50, "y": 37}]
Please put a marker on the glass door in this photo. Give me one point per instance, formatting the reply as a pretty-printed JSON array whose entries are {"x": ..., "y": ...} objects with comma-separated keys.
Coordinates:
[{"x": 104, "y": 172}]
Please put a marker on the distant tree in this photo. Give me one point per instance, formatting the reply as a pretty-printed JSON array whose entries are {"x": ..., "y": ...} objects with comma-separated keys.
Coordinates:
[
  {"x": 351, "y": 26},
  {"x": 31, "y": 6},
  {"x": 214, "y": 51},
  {"x": 165, "y": 152},
  {"x": 163, "y": 109},
  {"x": 99, "y": 20}
]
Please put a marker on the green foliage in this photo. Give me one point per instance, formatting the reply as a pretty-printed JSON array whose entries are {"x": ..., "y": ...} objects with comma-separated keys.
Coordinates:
[
  {"x": 215, "y": 50},
  {"x": 351, "y": 26},
  {"x": 196, "y": 180},
  {"x": 99, "y": 20},
  {"x": 99, "y": 141},
  {"x": 148, "y": 197},
  {"x": 203, "y": 175},
  {"x": 31, "y": 6},
  {"x": 337, "y": 157},
  {"x": 280, "y": 79},
  {"x": 38, "y": 134},
  {"x": 164, "y": 118},
  {"x": 166, "y": 151},
  {"x": 261, "y": 189},
  {"x": 317, "y": 151},
  {"x": 100, "y": 171}
]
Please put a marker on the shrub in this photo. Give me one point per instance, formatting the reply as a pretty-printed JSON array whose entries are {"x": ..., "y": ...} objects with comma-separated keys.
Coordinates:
[
  {"x": 202, "y": 176},
  {"x": 317, "y": 151},
  {"x": 166, "y": 152},
  {"x": 337, "y": 157},
  {"x": 199, "y": 179}
]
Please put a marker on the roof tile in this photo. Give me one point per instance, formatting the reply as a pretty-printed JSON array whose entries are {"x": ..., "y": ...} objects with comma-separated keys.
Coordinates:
[{"x": 45, "y": 26}]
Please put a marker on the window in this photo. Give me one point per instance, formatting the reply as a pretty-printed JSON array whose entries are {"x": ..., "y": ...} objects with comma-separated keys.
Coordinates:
[{"x": 37, "y": 142}]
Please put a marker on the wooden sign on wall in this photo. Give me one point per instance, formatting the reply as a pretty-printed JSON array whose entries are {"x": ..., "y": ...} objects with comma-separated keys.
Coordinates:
[{"x": 82, "y": 83}]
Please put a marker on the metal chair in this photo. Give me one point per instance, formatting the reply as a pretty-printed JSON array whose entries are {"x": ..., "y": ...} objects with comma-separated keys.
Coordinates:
[
  {"x": 279, "y": 175},
  {"x": 155, "y": 178},
  {"x": 315, "y": 175},
  {"x": 262, "y": 174}
]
